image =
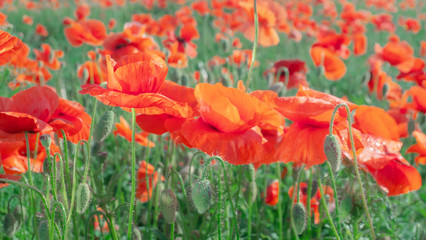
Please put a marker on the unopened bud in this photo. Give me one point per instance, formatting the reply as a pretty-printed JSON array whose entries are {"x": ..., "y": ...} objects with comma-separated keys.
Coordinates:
[
  {"x": 333, "y": 152},
  {"x": 299, "y": 217},
  {"x": 46, "y": 140},
  {"x": 10, "y": 225},
  {"x": 202, "y": 195},
  {"x": 83, "y": 197},
  {"x": 104, "y": 127},
  {"x": 168, "y": 205},
  {"x": 250, "y": 193}
]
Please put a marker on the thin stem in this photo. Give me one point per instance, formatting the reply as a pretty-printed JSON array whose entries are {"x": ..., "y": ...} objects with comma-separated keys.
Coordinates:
[
  {"x": 54, "y": 175},
  {"x": 74, "y": 186},
  {"x": 325, "y": 205},
  {"x": 293, "y": 197},
  {"x": 336, "y": 198},
  {"x": 133, "y": 196},
  {"x": 308, "y": 204},
  {"x": 67, "y": 173},
  {"x": 228, "y": 193},
  {"x": 280, "y": 211},
  {"x": 172, "y": 231},
  {"x": 219, "y": 233},
  {"x": 32, "y": 204},
  {"x": 190, "y": 165},
  {"x": 364, "y": 201},
  {"x": 256, "y": 36}
]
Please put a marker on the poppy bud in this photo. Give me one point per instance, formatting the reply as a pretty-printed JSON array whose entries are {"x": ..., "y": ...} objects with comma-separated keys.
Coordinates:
[
  {"x": 250, "y": 193},
  {"x": 168, "y": 205},
  {"x": 299, "y": 217},
  {"x": 43, "y": 230},
  {"x": 46, "y": 140},
  {"x": 277, "y": 87},
  {"x": 10, "y": 225},
  {"x": 105, "y": 125},
  {"x": 83, "y": 197},
  {"x": 251, "y": 173},
  {"x": 202, "y": 195},
  {"x": 20, "y": 214},
  {"x": 333, "y": 152}
]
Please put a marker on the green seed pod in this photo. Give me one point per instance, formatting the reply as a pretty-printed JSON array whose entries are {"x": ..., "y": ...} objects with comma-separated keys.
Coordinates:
[
  {"x": 168, "y": 205},
  {"x": 43, "y": 230},
  {"x": 10, "y": 225},
  {"x": 299, "y": 217},
  {"x": 202, "y": 195},
  {"x": 83, "y": 197},
  {"x": 46, "y": 140},
  {"x": 104, "y": 127},
  {"x": 333, "y": 152},
  {"x": 20, "y": 214}
]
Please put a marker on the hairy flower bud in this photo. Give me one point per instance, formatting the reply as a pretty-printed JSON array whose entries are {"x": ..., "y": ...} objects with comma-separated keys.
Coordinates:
[
  {"x": 104, "y": 127},
  {"x": 83, "y": 197},
  {"x": 299, "y": 217},
  {"x": 202, "y": 195},
  {"x": 333, "y": 152},
  {"x": 168, "y": 205}
]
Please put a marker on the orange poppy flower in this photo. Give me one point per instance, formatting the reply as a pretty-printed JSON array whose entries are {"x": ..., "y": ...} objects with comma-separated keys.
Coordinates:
[
  {"x": 111, "y": 23},
  {"x": 142, "y": 190},
  {"x": 376, "y": 121},
  {"x": 296, "y": 69},
  {"x": 230, "y": 123},
  {"x": 410, "y": 24},
  {"x": 94, "y": 74},
  {"x": 202, "y": 7},
  {"x": 41, "y": 30},
  {"x": 383, "y": 22},
  {"x": 419, "y": 147},
  {"x": 82, "y": 11},
  {"x": 272, "y": 193},
  {"x": 27, "y": 20},
  {"x": 315, "y": 198},
  {"x": 10, "y": 47},
  {"x": 28, "y": 110},
  {"x": 134, "y": 82},
  {"x": 183, "y": 43},
  {"x": 124, "y": 130},
  {"x": 49, "y": 60},
  {"x": 311, "y": 113},
  {"x": 334, "y": 67},
  {"x": 90, "y": 31},
  {"x": 418, "y": 97},
  {"x": 381, "y": 158},
  {"x": 423, "y": 48},
  {"x": 360, "y": 44}
]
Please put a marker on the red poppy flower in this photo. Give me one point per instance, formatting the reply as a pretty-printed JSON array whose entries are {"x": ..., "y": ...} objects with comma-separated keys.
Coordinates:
[
  {"x": 381, "y": 158},
  {"x": 334, "y": 67},
  {"x": 27, "y": 20},
  {"x": 230, "y": 123},
  {"x": 418, "y": 97},
  {"x": 419, "y": 147},
  {"x": 202, "y": 7},
  {"x": 311, "y": 113},
  {"x": 49, "y": 57},
  {"x": 124, "y": 130},
  {"x": 10, "y": 46},
  {"x": 315, "y": 198},
  {"x": 142, "y": 190},
  {"x": 133, "y": 82},
  {"x": 41, "y": 30},
  {"x": 376, "y": 121},
  {"x": 360, "y": 44},
  {"x": 296, "y": 69},
  {"x": 90, "y": 31},
  {"x": 273, "y": 193}
]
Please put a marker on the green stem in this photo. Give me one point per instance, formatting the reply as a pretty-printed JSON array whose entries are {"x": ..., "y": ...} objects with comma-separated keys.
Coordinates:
[
  {"x": 308, "y": 204},
  {"x": 280, "y": 211},
  {"x": 228, "y": 193},
  {"x": 293, "y": 197},
  {"x": 256, "y": 36},
  {"x": 325, "y": 205},
  {"x": 74, "y": 186},
  {"x": 190, "y": 165},
  {"x": 336, "y": 198},
  {"x": 172, "y": 231},
  {"x": 32, "y": 204},
  {"x": 364, "y": 201},
  {"x": 219, "y": 232},
  {"x": 67, "y": 173},
  {"x": 133, "y": 196}
]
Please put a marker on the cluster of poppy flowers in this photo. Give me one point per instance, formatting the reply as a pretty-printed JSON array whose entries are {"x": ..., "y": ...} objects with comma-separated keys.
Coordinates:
[{"x": 242, "y": 127}]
